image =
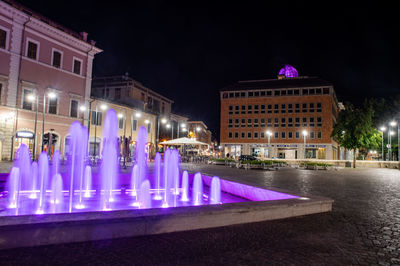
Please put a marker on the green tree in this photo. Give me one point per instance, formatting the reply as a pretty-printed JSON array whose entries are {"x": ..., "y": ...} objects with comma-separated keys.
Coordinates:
[{"x": 355, "y": 130}]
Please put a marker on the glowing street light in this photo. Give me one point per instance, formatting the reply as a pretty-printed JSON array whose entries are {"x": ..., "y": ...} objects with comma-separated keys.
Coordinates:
[
  {"x": 103, "y": 107},
  {"x": 269, "y": 134},
  {"x": 305, "y": 133},
  {"x": 32, "y": 97},
  {"x": 198, "y": 129},
  {"x": 82, "y": 108},
  {"x": 138, "y": 114},
  {"x": 146, "y": 121},
  {"x": 164, "y": 120},
  {"x": 120, "y": 115},
  {"x": 52, "y": 95},
  {"x": 383, "y": 129}
]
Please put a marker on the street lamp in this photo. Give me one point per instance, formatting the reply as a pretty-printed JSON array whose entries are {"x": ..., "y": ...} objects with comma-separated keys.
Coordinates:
[
  {"x": 393, "y": 125},
  {"x": 183, "y": 126},
  {"x": 32, "y": 98},
  {"x": 383, "y": 129},
  {"x": 102, "y": 107},
  {"x": 305, "y": 133},
  {"x": 269, "y": 134},
  {"x": 390, "y": 133},
  {"x": 50, "y": 95},
  {"x": 82, "y": 108}
]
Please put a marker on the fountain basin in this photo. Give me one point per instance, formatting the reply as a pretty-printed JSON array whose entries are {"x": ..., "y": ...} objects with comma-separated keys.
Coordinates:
[{"x": 256, "y": 204}]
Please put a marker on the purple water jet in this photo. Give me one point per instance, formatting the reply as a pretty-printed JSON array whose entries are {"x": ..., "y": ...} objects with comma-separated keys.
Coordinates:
[
  {"x": 215, "y": 195},
  {"x": 197, "y": 190},
  {"x": 157, "y": 170},
  {"x": 145, "y": 198},
  {"x": 185, "y": 186},
  {"x": 110, "y": 159},
  {"x": 43, "y": 178}
]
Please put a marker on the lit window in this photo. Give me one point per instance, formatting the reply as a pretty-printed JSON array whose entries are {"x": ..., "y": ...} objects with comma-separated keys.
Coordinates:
[
  {"x": 53, "y": 105},
  {"x": 121, "y": 123},
  {"x": 26, "y": 103},
  {"x": 134, "y": 125},
  {"x": 96, "y": 118}
]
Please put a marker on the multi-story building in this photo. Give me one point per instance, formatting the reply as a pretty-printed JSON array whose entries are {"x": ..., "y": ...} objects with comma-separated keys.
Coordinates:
[
  {"x": 125, "y": 90},
  {"x": 129, "y": 121},
  {"x": 45, "y": 77},
  {"x": 200, "y": 131},
  {"x": 294, "y": 114}
]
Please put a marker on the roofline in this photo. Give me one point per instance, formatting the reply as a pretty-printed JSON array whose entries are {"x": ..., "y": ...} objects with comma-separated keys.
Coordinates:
[
  {"x": 231, "y": 87},
  {"x": 137, "y": 83},
  {"x": 119, "y": 104},
  {"x": 38, "y": 18},
  {"x": 197, "y": 122}
]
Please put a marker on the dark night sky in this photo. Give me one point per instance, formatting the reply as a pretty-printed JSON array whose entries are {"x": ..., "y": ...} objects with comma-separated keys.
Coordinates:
[{"x": 188, "y": 51}]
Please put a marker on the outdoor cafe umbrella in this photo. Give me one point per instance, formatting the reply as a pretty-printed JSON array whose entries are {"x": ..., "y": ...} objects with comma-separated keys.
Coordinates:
[{"x": 183, "y": 141}]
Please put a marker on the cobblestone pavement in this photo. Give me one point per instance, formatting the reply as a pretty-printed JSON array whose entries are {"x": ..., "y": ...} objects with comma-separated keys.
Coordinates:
[{"x": 363, "y": 228}]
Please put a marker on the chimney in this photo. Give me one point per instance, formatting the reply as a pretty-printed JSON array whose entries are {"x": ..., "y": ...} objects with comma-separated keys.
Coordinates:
[{"x": 84, "y": 35}]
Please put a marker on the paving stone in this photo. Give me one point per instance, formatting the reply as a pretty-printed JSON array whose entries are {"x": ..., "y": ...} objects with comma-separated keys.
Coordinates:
[{"x": 363, "y": 228}]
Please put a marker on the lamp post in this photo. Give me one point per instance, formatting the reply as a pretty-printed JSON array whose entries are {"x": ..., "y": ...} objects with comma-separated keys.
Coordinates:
[
  {"x": 269, "y": 134},
  {"x": 390, "y": 133},
  {"x": 305, "y": 133},
  {"x": 32, "y": 98},
  {"x": 102, "y": 107},
  {"x": 163, "y": 121},
  {"x": 82, "y": 109},
  {"x": 51, "y": 95},
  {"x": 393, "y": 124},
  {"x": 383, "y": 129},
  {"x": 183, "y": 125},
  {"x": 121, "y": 116}
]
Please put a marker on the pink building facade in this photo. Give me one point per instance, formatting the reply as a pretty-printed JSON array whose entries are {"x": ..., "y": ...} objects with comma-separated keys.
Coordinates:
[{"x": 44, "y": 67}]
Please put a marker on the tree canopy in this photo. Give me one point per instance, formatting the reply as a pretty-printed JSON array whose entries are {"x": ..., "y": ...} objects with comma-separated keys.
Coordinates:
[{"x": 355, "y": 129}]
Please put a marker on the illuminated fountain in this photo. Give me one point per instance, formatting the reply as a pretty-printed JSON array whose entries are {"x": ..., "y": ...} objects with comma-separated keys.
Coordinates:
[
  {"x": 106, "y": 202},
  {"x": 44, "y": 188}
]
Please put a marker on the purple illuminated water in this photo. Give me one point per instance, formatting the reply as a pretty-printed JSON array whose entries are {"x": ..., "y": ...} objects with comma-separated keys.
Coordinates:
[{"x": 43, "y": 188}]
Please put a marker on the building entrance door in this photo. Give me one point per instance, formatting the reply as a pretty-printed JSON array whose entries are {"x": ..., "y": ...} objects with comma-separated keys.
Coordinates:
[{"x": 290, "y": 154}]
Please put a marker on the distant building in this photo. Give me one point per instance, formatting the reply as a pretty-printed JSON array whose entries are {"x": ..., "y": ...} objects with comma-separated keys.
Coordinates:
[
  {"x": 200, "y": 131},
  {"x": 43, "y": 67},
  {"x": 129, "y": 122},
  {"x": 125, "y": 90},
  {"x": 279, "y": 109}
]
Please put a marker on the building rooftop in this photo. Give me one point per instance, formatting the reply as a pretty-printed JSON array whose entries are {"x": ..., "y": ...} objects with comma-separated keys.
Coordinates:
[
  {"x": 46, "y": 20},
  {"x": 283, "y": 83},
  {"x": 123, "y": 80}
]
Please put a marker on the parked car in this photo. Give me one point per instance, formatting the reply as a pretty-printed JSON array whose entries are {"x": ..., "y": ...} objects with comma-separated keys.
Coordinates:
[{"x": 247, "y": 158}]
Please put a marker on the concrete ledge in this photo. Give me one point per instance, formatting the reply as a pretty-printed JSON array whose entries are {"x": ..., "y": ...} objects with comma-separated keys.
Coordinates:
[{"x": 35, "y": 230}]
